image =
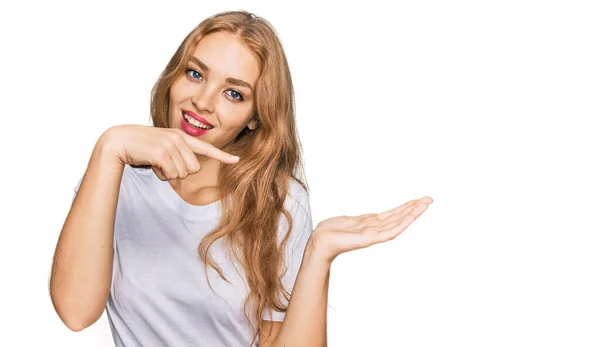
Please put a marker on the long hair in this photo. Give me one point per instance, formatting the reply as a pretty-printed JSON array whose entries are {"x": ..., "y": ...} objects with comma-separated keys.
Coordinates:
[{"x": 253, "y": 191}]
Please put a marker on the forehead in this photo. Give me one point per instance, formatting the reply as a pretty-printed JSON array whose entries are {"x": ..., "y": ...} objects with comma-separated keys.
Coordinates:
[{"x": 225, "y": 56}]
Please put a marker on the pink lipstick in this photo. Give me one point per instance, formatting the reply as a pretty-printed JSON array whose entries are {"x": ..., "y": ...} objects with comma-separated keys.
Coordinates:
[
  {"x": 193, "y": 124},
  {"x": 197, "y": 117}
]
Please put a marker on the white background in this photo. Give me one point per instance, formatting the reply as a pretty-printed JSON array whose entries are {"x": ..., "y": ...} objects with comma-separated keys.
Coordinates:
[{"x": 488, "y": 107}]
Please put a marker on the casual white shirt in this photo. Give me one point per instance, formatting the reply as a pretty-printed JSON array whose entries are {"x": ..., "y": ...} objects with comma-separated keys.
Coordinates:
[{"x": 159, "y": 295}]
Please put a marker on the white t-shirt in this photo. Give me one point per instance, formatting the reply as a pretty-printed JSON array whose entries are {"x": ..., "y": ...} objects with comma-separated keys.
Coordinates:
[{"x": 159, "y": 295}]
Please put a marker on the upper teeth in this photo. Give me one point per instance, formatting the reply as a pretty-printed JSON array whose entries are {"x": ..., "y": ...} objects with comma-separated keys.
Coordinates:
[{"x": 195, "y": 122}]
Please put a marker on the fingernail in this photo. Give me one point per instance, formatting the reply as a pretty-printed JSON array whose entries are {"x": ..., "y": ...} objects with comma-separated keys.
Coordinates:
[{"x": 234, "y": 157}]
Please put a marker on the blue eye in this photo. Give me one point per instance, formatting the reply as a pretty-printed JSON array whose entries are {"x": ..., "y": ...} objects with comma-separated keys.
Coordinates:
[
  {"x": 194, "y": 74},
  {"x": 236, "y": 95}
]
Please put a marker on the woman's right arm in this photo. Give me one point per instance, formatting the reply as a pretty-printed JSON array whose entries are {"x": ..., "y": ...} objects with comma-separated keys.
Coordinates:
[{"x": 82, "y": 269}]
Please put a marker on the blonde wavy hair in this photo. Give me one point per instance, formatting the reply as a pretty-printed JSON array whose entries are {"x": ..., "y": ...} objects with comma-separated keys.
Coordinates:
[{"x": 256, "y": 187}]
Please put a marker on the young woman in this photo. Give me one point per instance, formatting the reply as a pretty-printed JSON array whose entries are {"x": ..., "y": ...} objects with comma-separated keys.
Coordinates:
[{"x": 197, "y": 231}]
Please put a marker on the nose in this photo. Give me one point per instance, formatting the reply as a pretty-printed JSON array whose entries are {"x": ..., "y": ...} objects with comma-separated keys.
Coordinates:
[{"x": 204, "y": 99}]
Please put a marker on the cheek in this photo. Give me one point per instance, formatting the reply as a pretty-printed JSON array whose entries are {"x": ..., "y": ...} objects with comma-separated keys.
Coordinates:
[
  {"x": 176, "y": 93},
  {"x": 181, "y": 90},
  {"x": 235, "y": 116}
]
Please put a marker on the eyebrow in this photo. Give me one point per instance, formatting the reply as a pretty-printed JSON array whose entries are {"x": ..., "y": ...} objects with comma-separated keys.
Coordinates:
[{"x": 229, "y": 80}]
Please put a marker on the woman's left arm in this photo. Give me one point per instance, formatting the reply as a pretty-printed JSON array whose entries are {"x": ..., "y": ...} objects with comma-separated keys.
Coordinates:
[{"x": 305, "y": 322}]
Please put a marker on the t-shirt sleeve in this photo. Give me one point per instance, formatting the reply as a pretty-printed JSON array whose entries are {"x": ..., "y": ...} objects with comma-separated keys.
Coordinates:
[
  {"x": 76, "y": 189},
  {"x": 302, "y": 228}
]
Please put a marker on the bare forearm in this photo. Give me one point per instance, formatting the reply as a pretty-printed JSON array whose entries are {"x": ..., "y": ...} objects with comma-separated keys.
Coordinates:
[
  {"x": 82, "y": 267},
  {"x": 305, "y": 322}
]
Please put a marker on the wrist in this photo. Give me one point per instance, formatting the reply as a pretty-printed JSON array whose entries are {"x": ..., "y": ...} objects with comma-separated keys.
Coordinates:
[
  {"x": 317, "y": 252},
  {"x": 107, "y": 149}
]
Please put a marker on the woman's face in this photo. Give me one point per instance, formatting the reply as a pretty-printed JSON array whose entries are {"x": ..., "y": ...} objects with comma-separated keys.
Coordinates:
[{"x": 214, "y": 99}]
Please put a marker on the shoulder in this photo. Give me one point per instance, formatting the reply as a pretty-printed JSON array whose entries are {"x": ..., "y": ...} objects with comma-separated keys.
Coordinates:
[
  {"x": 298, "y": 198},
  {"x": 138, "y": 181},
  {"x": 144, "y": 170},
  {"x": 138, "y": 173},
  {"x": 129, "y": 173},
  {"x": 297, "y": 203}
]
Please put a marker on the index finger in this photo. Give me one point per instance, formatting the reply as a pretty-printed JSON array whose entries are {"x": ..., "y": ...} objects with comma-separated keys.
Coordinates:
[
  {"x": 205, "y": 148},
  {"x": 384, "y": 215}
]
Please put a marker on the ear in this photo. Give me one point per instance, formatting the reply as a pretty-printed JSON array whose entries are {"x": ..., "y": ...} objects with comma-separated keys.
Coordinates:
[{"x": 253, "y": 124}]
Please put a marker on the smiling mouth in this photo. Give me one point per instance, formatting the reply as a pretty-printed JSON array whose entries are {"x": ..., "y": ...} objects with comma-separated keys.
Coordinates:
[{"x": 195, "y": 123}]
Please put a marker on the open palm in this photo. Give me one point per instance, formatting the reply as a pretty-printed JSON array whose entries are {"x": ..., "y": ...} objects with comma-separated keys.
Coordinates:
[{"x": 346, "y": 233}]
